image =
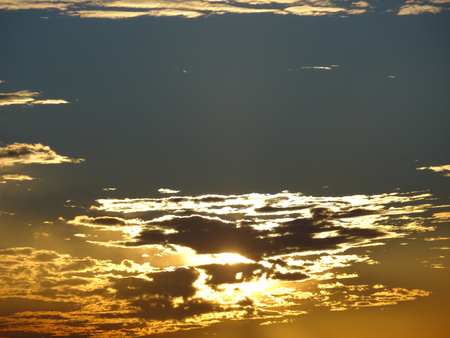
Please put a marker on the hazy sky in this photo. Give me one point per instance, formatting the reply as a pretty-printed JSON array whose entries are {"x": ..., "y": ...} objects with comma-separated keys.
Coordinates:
[{"x": 219, "y": 168}]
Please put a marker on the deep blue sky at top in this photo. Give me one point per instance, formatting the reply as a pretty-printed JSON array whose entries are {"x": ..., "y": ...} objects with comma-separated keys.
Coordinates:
[{"x": 237, "y": 120}]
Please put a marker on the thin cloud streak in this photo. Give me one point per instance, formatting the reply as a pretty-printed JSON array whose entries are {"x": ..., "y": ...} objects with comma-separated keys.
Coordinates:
[
  {"x": 26, "y": 97},
  {"x": 17, "y": 177}
]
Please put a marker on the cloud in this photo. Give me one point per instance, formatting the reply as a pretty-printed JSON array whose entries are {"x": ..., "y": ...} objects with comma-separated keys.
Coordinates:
[
  {"x": 123, "y": 9},
  {"x": 168, "y": 191},
  {"x": 105, "y": 14},
  {"x": 361, "y": 4},
  {"x": 440, "y": 168},
  {"x": 23, "y": 153},
  {"x": 25, "y": 97},
  {"x": 16, "y": 177},
  {"x": 418, "y": 9},
  {"x": 318, "y": 67},
  {"x": 314, "y": 11},
  {"x": 239, "y": 257},
  {"x": 97, "y": 221}
]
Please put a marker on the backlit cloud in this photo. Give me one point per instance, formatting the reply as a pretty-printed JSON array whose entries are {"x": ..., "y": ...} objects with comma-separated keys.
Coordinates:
[
  {"x": 23, "y": 153},
  {"x": 26, "y": 97},
  {"x": 122, "y": 9},
  {"x": 210, "y": 258}
]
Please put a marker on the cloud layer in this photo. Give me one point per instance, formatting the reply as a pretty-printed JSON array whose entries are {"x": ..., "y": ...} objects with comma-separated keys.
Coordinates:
[
  {"x": 209, "y": 258},
  {"x": 121, "y": 9}
]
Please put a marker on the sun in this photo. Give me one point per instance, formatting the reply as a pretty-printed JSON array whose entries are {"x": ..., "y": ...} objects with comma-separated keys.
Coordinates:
[{"x": 222, "y": 258}]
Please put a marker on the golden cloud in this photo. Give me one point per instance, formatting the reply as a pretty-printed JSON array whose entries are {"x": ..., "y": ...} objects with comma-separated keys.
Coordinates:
[
  {"x": 16, "y": 177},
  {"x": 419, "y": 9},
  {"x": 25, "y": 97},
  {"x": 23, "y": 153},
  {"x": 122, "y": 9}
]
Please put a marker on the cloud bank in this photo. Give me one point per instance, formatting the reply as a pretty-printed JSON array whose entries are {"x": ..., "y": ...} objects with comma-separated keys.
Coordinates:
[
  {"x": 122, "y": 9},
  {"x": 210, "y": 258}
]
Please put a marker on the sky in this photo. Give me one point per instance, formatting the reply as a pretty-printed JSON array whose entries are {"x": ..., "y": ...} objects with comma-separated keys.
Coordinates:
[{"x": 183, "y": 169}]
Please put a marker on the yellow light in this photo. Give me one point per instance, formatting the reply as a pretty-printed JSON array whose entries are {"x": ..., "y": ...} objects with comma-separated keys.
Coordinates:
[{"x": 222, "y": 258}]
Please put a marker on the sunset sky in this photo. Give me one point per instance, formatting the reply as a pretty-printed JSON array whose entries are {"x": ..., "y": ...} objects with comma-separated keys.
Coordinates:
[{"x": 183, "y": 169}]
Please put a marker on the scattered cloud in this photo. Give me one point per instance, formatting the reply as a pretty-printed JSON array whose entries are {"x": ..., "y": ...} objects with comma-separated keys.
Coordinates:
[
  {"x": 123, "y": 9},
  {"x": 209, "y": 258},
  {"x": 439, "y": 168},
  {"x": 23, "y": 153},
  {"x": 26, "y": 97}
]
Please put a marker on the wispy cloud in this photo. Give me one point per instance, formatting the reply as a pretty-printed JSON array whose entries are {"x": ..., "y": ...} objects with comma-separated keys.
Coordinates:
[
  {"x": 122, "y": 9},
  {"x": 23, "y": 153},
  {"x": 445, "y": 167},
  {"x": 26, "y": 97}
]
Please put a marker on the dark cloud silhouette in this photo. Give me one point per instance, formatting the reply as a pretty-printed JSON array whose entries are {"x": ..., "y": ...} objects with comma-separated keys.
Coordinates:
[
  {"x": 205, "y": 236},
  {"x": 290, "y": 276},
  {"x": 8, "y": 306},
  {"x": 155, "y": 297},
  {"x": 233, "y": 273},
  {"x": 213, "y": 236}
]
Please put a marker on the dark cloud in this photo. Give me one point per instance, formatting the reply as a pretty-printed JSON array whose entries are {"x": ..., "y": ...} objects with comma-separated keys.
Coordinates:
[
  {"x": 270, "y": 209},
  {"x": 214, "y": 236},
  {"x": 233, "y": 273},
  {"x": 156, "y": 296},
  {"x": 290, "y": 276},
  {"x": 46, "y": 256},
  {"x": 178, "y": 283},
  {"x": 78, "y": 265},
  {"x": 16, "y": 251},
  {"x": 12, "y": 305},
  {"x": 205, "y": 236}
]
